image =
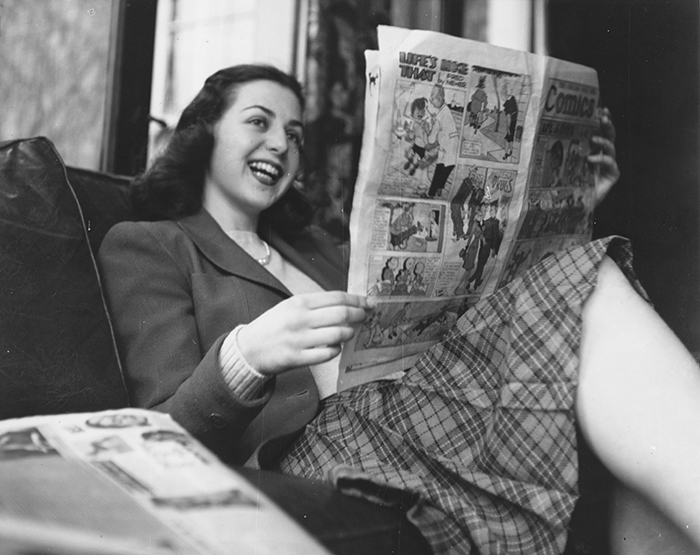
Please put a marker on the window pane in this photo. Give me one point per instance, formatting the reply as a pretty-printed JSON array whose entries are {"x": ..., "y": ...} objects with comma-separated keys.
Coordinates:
[{"x": 194, "y": 38}]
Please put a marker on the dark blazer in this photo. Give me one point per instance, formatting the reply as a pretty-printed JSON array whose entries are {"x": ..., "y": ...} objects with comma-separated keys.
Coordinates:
[{"x": 175, "y": 290}]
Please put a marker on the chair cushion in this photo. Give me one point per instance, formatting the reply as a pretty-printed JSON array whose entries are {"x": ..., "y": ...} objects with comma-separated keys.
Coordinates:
[
  {"x": 57, "y": 350},
  {"x": 103, "y": 200}
]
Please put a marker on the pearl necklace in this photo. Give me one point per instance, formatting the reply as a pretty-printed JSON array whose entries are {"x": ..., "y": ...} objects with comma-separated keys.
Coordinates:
[{"x": 265, "y": 260}]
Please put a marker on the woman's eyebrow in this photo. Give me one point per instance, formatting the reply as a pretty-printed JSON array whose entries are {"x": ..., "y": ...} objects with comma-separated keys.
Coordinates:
[{"x": 271, "y": 113}]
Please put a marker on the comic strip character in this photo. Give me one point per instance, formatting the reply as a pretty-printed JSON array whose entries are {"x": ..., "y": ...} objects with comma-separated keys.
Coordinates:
[
  {"x": 394, "y": 328},
  {"x": 469, "y": 254},
  {"x": 443, "y": 136},
  {"x": 554, "y": 161},
  {"x": 492, "y": 236},
  {"x": 401, "y": 286},
  {"x": 519, "y": 262},
  {"x": 477, "y": 105},
  {"x": 402, "y": 227},
  {"x": 404, "y": 278},
  {"x": 431, "y": 320},
  {"x": 470, "y": 190},
  {"x": 384, "y": 286},
  {"x": 576, "y": 170},
  {"x": 434, "y": 226},
  {"x": 510, "y": 109},
  {"x": 417, "y": 134},
  {"x": 417, "y": 287},
  {"x": 493, "y": 229},
  {"x": 373, "y": 326}
]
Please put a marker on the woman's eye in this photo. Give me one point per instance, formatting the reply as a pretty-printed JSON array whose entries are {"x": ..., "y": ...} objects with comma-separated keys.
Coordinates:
[
  {"x": 259, "y": 122},
  {"x": 294, "y": 137}
]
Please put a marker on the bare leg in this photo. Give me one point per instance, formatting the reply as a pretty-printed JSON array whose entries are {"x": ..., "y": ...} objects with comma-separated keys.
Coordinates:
[
  {"x": 639, "y": 528},
  {"x": 638, "y": 401}
]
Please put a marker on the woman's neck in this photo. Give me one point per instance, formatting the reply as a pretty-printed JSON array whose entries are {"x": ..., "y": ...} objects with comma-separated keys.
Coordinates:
[{"x": 228, "y": 218}]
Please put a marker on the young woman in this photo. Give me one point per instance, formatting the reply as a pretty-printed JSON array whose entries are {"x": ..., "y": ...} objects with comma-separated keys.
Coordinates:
[{"x": 229, "y": 312}]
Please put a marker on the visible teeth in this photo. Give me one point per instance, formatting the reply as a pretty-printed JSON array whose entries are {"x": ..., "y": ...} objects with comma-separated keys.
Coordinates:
[{"x": 265, "y": 168}]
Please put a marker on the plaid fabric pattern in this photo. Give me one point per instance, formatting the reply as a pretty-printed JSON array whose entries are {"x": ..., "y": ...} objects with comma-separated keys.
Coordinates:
[{"x": 481, "y": 430}]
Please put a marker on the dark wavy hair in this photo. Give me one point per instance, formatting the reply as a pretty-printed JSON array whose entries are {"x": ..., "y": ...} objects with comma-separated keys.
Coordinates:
[{"x": 173, "y": 186}]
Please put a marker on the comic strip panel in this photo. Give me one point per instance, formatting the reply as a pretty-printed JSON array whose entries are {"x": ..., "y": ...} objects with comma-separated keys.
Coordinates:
[
  {"x": 425, "y": 139},
  {"x": 477, "y": 223},
  {"x": 394, "y": 324},
  {"x": 408, "y": 226},
  {"x": 401, "y": 276},
  {"x": 495, "y": 115},
  {"x": 558, "y": 212},
  {"x": 528, "y": 253},
  {"x": 560, "y": 155}
]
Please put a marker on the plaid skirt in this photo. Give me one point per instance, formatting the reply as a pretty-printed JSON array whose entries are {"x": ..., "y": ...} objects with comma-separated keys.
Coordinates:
[{"x": 480, "y": 434}]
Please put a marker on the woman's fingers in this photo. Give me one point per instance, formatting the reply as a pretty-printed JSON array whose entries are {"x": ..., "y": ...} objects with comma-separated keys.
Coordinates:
[
  {"x": 332, "y": 335},
  {"x": 603, "y": 156},
  {"x": 604, "y": 139},
  {"x": 304, "y": 329},
  {"x": 606, "y": 165},
  {"x": 603, "y": 145},
  {"x": 335, "y": 316},
  {"x": 313, "y": 346},
  {"x": 606, "y": 162},
  {"x": 606, "y": 125},
  {"x": 334, "y": 298},
  {"x": 334, "y": 308}
]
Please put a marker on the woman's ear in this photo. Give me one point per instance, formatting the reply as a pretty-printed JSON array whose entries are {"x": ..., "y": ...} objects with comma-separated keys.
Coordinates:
[{"x": 298, "y": 182}]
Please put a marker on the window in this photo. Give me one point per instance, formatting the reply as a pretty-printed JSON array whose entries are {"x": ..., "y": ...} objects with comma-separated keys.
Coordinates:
[{"x": 194, "y": 38}]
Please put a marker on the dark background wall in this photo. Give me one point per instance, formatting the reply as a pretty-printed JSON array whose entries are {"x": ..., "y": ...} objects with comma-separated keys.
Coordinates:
[{"x": 646, "y": 54}]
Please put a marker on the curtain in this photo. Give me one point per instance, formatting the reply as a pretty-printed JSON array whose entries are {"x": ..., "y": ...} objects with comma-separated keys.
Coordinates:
[{"x": 339, "y": 31}]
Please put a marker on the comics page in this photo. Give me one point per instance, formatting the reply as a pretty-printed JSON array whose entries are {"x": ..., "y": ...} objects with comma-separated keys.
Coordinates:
[{"x": 473, "y": 168}]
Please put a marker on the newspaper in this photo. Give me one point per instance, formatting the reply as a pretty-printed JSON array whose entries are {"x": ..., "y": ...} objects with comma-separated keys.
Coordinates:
[
  {"x": 129, "y": 481},
  {"x": 473, "y": 168}
]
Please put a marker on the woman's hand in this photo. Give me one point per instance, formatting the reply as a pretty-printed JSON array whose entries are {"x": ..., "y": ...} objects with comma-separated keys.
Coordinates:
[
  {"x": 302, "y": 330},
  {"x": 602, "y": 157}
]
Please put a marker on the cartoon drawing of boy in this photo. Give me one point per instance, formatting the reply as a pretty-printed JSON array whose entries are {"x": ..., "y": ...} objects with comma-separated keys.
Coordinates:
[{"x": 417, "y": 134}]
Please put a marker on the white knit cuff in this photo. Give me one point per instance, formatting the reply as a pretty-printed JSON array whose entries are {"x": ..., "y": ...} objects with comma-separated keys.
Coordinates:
[{"x": 242, "y": 379}]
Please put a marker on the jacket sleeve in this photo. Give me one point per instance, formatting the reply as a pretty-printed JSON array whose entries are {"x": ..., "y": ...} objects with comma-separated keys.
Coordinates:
[{"x": 149, "y": 292}]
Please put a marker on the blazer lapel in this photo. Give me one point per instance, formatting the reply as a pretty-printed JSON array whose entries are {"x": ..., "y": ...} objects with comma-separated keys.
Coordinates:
[
  {"x": 318, "y": 259},
  {"x": 224, "y": 252}
]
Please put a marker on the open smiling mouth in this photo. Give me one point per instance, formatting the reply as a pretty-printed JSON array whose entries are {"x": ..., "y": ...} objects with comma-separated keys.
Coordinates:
[{"x": 265, "y": 172}]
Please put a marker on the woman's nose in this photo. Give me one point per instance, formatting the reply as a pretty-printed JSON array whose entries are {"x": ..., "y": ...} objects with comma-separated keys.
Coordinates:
[{"x": 277, "y": 140}]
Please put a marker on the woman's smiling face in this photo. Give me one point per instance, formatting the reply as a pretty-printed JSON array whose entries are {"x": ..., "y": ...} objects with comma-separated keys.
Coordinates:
[{"x": 256, "y": 155}]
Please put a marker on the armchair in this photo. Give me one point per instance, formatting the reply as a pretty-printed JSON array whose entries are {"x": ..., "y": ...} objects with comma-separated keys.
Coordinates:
[{"x": 57, "y": 349}]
